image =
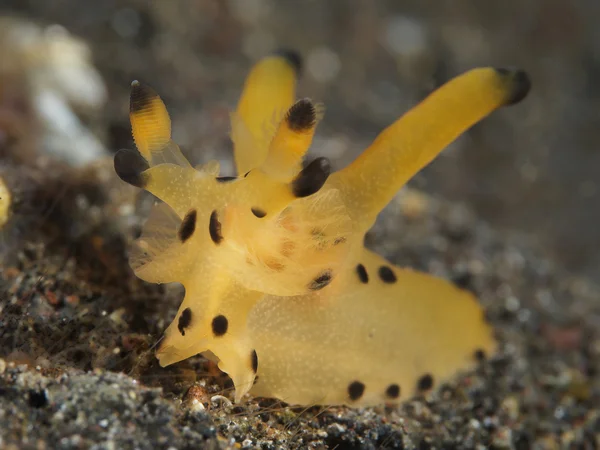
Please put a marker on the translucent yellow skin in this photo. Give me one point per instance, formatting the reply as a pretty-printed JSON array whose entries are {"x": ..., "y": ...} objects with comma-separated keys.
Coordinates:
[
  {"x": 269, "y": 91},
  {"x": 391, "y": 334},
  {"x": 278, "y": 283}
]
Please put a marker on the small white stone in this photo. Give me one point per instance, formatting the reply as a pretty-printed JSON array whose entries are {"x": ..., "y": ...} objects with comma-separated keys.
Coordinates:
[
  {"x": 512, "y": 304},
  {"x": 220, "y": 400},
  {"x": 126, "y": 209},
  {"x": 197, "y": 406}
]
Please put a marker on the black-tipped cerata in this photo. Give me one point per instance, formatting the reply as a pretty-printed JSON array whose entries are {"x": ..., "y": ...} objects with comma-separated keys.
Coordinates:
[
  {"x": 520, "y": 84},
  {"x": 214, "y": 228},
  {"x": 387, "y": 275},
  {"x": 363, "y": 276},
  {"x": 254, "y": 361},
  {"x": 312, "y": 178},
  {"x": 188, "y": 226},
  {"x": 302, "y": 116},
  {"x": 185, "y": 319},
  {"x": 141, "y": 96},
  {"x": 130, "y": 165},
  {"x": 292, "y": 57}
]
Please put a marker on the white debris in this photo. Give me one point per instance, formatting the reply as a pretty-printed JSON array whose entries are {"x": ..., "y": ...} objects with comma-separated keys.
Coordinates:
[{"x": 61, "y": 78}]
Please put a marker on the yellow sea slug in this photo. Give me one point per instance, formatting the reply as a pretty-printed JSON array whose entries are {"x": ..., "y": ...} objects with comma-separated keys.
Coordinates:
[{"x": 279, "y": 288}]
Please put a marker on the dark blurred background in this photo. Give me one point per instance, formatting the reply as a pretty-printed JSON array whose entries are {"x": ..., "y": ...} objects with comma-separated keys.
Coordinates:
[{"x": 534, "y": 167}]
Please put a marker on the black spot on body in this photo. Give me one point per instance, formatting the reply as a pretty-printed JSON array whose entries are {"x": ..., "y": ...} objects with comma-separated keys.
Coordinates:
[
  {"x": 322, "y": 280},
  {"x": 311, "y": 178},
  {"x": 254, "y": 361},
  {"x": 363, "y": 276},
  {"x": 356, "y": 390},
  {"x": 130, "y": 165},
  {"x": 302, "y": 116},
  {"x": 141, "y": 96},
  {"x": 220, "y": 325},
  {"x": 387, "y": 275},
  {"x": 292, "y": 57},
  {"x": 258, "y": 212},
  {"x": 425, "y": 382},
  {"x": 225, "y": 179},
  {"x": 185, "y": 319},
  {"x": 214, "y": 228},
  {"x": 393, "y": 391},
  {"x": 188, "y": 226}
]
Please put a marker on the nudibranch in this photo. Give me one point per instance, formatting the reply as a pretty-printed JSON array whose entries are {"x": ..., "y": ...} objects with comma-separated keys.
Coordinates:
[{"x": 279, "y": 289}]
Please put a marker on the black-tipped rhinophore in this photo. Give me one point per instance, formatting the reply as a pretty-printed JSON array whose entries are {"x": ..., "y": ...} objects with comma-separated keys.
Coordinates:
[
  {"x": 302, "y": 116},
  {"x": 293, "y": 57},
  {"x": 141, "y": 95},
  {"x": 520, "y": 81},
  {"x": 130, "y": 165},
  {"x": 312, "y": 178}
]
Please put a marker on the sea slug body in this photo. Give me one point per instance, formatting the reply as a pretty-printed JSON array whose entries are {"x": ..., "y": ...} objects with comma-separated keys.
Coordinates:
[{"x": 279, "y": 288}]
